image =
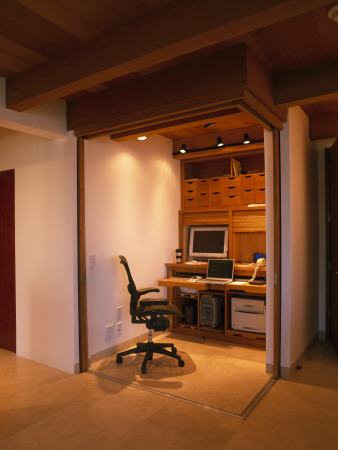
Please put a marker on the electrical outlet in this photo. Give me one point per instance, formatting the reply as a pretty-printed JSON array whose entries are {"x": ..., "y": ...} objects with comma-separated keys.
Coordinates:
[
  {"x": 109, "y": 332},
  {"x": 119, "y": 314},
  {"x": 119, "y": 327},
  {"x": 92, "y": 261}
]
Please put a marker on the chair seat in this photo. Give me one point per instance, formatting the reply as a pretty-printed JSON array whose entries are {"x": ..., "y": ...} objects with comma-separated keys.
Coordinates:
[
  {"x": 153, "y": 301},
  {"x": 160, "y": 309}
]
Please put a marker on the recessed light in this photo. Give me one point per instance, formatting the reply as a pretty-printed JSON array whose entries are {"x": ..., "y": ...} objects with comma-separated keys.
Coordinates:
[{"x": 142, "y": 138}]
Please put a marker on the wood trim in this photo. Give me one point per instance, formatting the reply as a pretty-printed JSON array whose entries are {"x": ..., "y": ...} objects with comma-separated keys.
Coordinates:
[
  {"x": 277, "y": 255},
  {"x": 81, "y": 238}
]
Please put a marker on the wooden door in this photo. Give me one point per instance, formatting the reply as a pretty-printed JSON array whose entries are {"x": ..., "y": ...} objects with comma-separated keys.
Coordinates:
[
  {"x": 7, "y": 262},
  {"x": 333, "y": 245}
]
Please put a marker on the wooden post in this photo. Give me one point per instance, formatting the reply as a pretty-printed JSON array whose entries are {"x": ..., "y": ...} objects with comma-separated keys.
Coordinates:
[{"x": 81, "y": 242}]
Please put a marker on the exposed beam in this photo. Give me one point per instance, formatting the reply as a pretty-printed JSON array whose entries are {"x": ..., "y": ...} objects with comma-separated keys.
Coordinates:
[
  {"x": 171, "y": 91},
  {"x": 307, "y": 85},
  {"x": 163, "y": 98},
  {"x": 323, "y": 126},
  {"x": 181, "y": 27}
]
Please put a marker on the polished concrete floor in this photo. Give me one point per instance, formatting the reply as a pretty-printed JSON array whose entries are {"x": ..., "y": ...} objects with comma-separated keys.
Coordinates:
[{"x": 43, "y": 408}]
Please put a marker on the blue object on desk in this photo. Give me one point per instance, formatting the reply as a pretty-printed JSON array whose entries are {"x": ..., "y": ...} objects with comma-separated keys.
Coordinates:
[{"x": 259, "y": 255}]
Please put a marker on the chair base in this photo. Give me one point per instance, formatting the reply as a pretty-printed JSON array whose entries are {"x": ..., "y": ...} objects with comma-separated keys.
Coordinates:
[{"x": 149, "y": 348}]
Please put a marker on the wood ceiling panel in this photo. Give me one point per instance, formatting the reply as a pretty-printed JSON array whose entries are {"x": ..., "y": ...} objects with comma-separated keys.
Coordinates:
[
  {"x": 64, "y": 17},
  {"x": 23, "y": 26}
]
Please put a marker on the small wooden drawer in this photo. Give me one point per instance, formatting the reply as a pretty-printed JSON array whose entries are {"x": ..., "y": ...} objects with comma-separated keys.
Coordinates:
[
  {"x": 260, "y": 196},
  {"x": 248, "y": 182},
  {"x": 231, "y": 181},
  {"x": 203, "y": 199},
  {"x": 215, "y": 198},
  {"x": 260, "y": 181},
  {"x": 190, "y": 184},
  {"x": 248, "y": 196},
  {"x": 231, "y": 199},
  {"x": 190, "y": 193},
  {"x": 231, "y": 190},
  {"x": 215, "y": 185},
  {"x": 190, "y": 202},
  {"x": 203, "y": 186}
]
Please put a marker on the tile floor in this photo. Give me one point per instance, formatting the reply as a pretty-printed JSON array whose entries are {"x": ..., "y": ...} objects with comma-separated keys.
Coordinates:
[{"x": 43, "y": 408}]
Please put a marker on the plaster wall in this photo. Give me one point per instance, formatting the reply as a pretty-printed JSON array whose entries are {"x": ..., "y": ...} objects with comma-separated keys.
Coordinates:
[
  {"x": 133, "y": 198},
  {"x": 45, "y": 240},
  {"x": 299, "y": 233}
]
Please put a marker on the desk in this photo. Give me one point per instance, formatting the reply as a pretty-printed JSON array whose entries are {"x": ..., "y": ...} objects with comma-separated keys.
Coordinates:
[{"x": 186, "y": 293}]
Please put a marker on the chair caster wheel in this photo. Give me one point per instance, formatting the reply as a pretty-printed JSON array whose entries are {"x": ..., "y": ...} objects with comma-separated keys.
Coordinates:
[
  {"x": 119, "y": 359},
  {"x": 181, "y": 362},
  {"x": 174, "y": 350},
  {"x": 143, "y": 370}
]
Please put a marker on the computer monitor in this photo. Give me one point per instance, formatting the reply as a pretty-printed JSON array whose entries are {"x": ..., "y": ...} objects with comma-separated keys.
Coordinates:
[{"x": 206, "y": 242}]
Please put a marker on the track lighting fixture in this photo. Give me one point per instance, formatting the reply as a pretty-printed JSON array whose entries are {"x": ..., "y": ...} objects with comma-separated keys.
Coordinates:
[
  {"x": 183, "y": 149},
  {"x": 220, "y": 143},
  {"x": 246, "y": 139}
]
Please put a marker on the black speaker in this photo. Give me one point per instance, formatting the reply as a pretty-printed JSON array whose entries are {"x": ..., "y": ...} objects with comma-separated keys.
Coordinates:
[{"x": 190, "y": 314}]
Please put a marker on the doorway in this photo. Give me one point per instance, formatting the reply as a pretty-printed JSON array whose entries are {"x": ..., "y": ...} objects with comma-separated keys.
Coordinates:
[{"x": 7, "y": 262}]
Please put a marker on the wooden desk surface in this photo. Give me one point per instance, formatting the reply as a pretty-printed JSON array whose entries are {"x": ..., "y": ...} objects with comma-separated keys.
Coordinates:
[{"x": 203, "y": 286}]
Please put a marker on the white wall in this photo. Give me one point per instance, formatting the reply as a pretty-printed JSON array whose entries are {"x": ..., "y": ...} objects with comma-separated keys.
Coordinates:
[
  {"x": 133, "y": 195},
  {"x": 45, "y": 239},
  {"x": 299, "y": 231}
]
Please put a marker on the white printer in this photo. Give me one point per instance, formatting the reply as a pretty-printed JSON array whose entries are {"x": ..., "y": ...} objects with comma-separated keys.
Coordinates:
[{"x": 248, "y": 314}]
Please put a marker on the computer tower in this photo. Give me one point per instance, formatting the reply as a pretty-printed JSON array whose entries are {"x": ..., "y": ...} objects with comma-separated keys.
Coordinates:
[{"x": 211, "y": 310}]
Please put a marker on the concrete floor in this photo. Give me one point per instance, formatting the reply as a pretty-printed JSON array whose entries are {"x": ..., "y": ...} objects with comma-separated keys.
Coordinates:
[{"x": 43, "y": 408}]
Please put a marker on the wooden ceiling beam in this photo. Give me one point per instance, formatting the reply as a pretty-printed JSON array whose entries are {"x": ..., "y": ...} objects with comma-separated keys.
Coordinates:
[
  {"x": 323, "y": 126},
  {"x": 180, "y": 27},
  {"x": 188, "y": 89},
  {"x": 307, "y": 85}
]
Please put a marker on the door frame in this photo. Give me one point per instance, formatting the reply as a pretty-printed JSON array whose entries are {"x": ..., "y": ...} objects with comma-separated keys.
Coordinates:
[{"x": 82, "y": 287}]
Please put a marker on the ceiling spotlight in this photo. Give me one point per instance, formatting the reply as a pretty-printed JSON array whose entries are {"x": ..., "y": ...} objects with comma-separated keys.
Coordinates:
[
  {"x": 246, "y": 139},
  {"x": 207, "y": 125},
  {"x": 220, "y": 143},
  {"x": 142, "y": 138},
  {"x": 183, "y": 149}
]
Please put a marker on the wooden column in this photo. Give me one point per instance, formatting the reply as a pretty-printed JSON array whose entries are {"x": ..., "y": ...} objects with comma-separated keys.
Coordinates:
[
  {"x": 81, "y": 242},
  {"x": 277, "y": 254}
]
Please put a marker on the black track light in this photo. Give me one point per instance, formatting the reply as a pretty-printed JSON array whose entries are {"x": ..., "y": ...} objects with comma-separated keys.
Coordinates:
[
  {"x": 246, "y": 139},
  {"x": 183, "y": 149},
  {"x": 220, "y": 143}
]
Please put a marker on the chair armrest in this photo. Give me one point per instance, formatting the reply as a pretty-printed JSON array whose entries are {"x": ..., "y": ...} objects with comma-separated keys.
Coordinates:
[{"x": 147, "y": 290}]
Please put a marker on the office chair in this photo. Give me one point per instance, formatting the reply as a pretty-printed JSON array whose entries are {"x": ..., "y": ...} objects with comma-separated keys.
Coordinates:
[{"x": 152, "y": 312}]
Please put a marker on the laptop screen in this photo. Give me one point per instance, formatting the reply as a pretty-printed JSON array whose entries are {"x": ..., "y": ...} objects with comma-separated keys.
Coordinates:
[{"x": 221, "y": 269}]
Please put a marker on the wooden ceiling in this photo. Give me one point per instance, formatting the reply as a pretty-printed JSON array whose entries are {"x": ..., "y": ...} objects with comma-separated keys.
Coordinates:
[{"x": 76, "y": 49}]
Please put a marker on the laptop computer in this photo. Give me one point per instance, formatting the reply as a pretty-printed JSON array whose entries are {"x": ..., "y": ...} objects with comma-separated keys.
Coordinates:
[{"x": 220, "y": 271}]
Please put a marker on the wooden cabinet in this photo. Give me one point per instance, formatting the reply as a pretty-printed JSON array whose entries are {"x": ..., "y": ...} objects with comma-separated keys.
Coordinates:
[
  {"x": 199, "y": 316},
  {"x": 213, "y": 195}
]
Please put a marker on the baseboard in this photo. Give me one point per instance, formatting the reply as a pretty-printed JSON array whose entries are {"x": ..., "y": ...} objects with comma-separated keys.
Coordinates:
[
  {"x": 117, "y": 348},
  {"x": 287, "y": 372},
  {"x": 322, "y": 335}
]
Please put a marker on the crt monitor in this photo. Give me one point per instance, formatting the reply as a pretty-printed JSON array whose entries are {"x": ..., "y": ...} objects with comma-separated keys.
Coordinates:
[{"x": 206, "y": 242}]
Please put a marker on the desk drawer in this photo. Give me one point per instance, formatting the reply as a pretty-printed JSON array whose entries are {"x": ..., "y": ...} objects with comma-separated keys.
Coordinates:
[
  {"x": 202, "y": 199},
  {"x": 190, "y": 202},
  {"x": 260, "y": 181},
  {"x": 231, "y": 181},
  {"x": 232, "y": 200},
  {"x": 248, "y": 196},
  {"x": 203, "y": 186},
  {"x": 215, "y": 198},
  {"x": 248, "y": 181},
  {"x": 260, "y": 196}
]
